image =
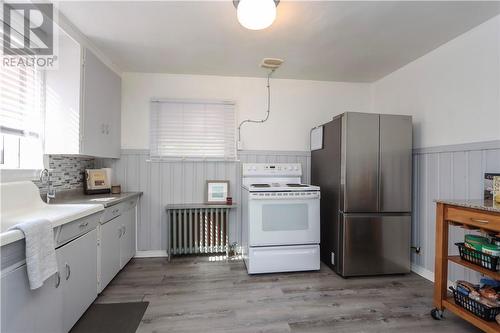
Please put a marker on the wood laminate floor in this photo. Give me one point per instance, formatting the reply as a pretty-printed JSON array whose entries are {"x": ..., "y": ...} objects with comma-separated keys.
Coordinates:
[{"x": 194, "y": 294}]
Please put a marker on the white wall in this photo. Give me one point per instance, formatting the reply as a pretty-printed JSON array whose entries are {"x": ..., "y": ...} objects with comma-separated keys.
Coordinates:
[
  {"x": 84, "y": 41},
  {"x": 296, "y": 105},
  {"x": 452, "y": 92}
]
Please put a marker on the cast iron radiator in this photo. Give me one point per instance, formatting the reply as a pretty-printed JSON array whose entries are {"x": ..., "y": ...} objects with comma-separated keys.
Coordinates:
[{"x": 197, "y": 230}]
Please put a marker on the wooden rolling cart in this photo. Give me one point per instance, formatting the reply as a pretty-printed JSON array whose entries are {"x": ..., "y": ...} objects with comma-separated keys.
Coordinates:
[{"x": 472, "y": 215}]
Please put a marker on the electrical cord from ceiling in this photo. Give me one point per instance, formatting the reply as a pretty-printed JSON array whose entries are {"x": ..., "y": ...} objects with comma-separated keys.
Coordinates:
[{"x": 267, "y": 112}]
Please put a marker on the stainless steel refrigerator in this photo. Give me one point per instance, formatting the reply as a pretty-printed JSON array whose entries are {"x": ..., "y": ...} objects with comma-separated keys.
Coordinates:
[{"x": 364, "y": 169}]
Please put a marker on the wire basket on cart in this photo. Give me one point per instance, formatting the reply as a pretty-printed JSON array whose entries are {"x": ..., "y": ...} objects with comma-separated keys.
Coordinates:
[
  {"x": 477, "y": 257},
  {"x": 477, "y": 308}
]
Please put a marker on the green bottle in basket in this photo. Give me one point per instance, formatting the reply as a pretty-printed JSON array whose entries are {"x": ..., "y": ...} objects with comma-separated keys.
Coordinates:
[
  {"x": 491, "y": 249},
  {"x": 476, "y": 242}
]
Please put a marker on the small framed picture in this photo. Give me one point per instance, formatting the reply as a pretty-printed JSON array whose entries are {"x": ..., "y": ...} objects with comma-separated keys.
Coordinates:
[{"x": 217, "y": 191}]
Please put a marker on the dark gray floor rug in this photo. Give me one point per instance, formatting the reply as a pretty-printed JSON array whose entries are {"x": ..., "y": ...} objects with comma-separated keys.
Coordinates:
[{"x": 111, "y": 318}]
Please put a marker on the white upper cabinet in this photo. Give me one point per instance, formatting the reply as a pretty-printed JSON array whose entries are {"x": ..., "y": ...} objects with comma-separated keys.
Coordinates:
[
  {"x": 83, "y": 104},
  {"x": 62, "y": 102},
  {"x": 101, "y": 104}
]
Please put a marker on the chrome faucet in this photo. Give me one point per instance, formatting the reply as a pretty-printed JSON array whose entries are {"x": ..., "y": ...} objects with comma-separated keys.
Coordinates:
[{"x": 45, "y": 178}]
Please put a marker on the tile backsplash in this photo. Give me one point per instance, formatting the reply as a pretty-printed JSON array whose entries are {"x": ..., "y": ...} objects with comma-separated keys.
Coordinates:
[{"x": 66, "y": 172}]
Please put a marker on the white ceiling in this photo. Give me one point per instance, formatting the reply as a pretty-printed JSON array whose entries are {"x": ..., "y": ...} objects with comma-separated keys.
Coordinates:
[{"x": 333, "y": 41}]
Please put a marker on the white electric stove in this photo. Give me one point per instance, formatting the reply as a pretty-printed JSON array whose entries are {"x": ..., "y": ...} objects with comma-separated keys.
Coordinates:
[{"x": 280, "y": 219}]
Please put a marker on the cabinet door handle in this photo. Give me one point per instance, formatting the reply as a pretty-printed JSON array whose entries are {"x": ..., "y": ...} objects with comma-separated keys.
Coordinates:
[
  {"x": 124, "y": 229},
  {"x": 84, "y": 224},
  {"x": 103, "y": 128},
  {"x": 58, "y": 280},
  {"x": 479, "y": 221},
  {"x": 68, "y": 272},
  {"x": 120, "y": 233}
]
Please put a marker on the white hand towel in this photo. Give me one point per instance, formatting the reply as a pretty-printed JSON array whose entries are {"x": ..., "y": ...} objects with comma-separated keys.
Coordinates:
[{"x": 41, "y": 262}]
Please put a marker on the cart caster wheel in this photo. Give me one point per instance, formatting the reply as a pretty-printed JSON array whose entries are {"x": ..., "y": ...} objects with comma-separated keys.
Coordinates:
[{"x": 437, "y": 314}]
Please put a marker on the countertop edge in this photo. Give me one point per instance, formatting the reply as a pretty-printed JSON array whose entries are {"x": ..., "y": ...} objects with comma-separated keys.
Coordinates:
[
  {"x": 129, "y": 195},
  {"x": 472, "y": 204},
  {"x": 86, "y": 199},
  {"x": 11, "y": 236}
]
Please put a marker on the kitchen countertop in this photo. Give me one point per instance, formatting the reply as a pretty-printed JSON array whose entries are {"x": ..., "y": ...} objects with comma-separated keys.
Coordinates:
[
  {"x": 78, "y": 197},
  {"x": 486, "y": 205}
]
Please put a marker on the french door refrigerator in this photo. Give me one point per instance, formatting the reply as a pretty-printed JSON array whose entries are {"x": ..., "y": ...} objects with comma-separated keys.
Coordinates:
[{"x": 364, "y": 169}]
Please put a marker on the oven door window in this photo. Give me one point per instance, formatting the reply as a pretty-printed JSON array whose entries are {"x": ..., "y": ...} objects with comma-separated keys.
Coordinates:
[{"x": 285, "y": 217}]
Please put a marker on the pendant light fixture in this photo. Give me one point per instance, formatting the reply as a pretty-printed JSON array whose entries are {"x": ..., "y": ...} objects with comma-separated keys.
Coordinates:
[{"x": 256, "y": 14}]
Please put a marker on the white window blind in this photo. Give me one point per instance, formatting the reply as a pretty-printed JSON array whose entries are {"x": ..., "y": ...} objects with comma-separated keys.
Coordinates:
[
  {"x": 22, "y": 100},
  {"x": 192, "y": 129}
]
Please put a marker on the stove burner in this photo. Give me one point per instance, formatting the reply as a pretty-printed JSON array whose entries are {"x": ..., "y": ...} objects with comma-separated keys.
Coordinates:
[
  {"x": 297, "y": 185},
  {"x": 261, "y": 185}
]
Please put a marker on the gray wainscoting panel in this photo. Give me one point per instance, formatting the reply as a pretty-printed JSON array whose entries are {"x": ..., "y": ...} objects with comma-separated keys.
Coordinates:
[
  {"x": 268, "y": 156},
  {"x": 447, "y": 173},
  {"x": 174, "y": 182}
]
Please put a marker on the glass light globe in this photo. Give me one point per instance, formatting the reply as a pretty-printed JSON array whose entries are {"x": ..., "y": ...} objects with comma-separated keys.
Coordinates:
[{"x": 256, "y": 14}]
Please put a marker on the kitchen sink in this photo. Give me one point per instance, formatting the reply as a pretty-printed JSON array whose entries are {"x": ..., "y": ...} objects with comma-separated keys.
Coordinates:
[{"x": 21, "y": 201}]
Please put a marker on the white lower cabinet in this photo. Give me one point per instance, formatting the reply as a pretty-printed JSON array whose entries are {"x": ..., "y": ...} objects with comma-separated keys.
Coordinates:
[
  {"x": 117, "y": 245},
  {"x": 77, "y": 263},
  {"x": 26, "y": 310},
  {"x": 60, "y": 302},
  {"x": 110, "y": 251},
  {"x": 64, "y": 297},
  {"x": 127, "y": 243}
]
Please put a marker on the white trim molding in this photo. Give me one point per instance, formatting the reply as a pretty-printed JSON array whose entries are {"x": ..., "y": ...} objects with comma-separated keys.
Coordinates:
[
  {"x": 483, "y": 145},
  {"x": 151, "y": 254},
  {"x": 426, "y": 274},
  {"x": 306, "y": 153},
  {"x": 423, "y": 272}
]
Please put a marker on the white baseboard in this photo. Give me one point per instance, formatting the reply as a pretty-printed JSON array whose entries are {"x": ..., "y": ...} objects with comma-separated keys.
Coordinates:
[
  {"x": 425, "y": 273},
  {"x": 151, "y": 254}
]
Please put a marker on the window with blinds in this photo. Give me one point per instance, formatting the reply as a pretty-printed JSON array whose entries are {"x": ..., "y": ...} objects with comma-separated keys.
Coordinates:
[
  {"x": 192, "y": 130},
  {"x": 22, "y": 105},
  {"x": 21, "y": 117}
]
